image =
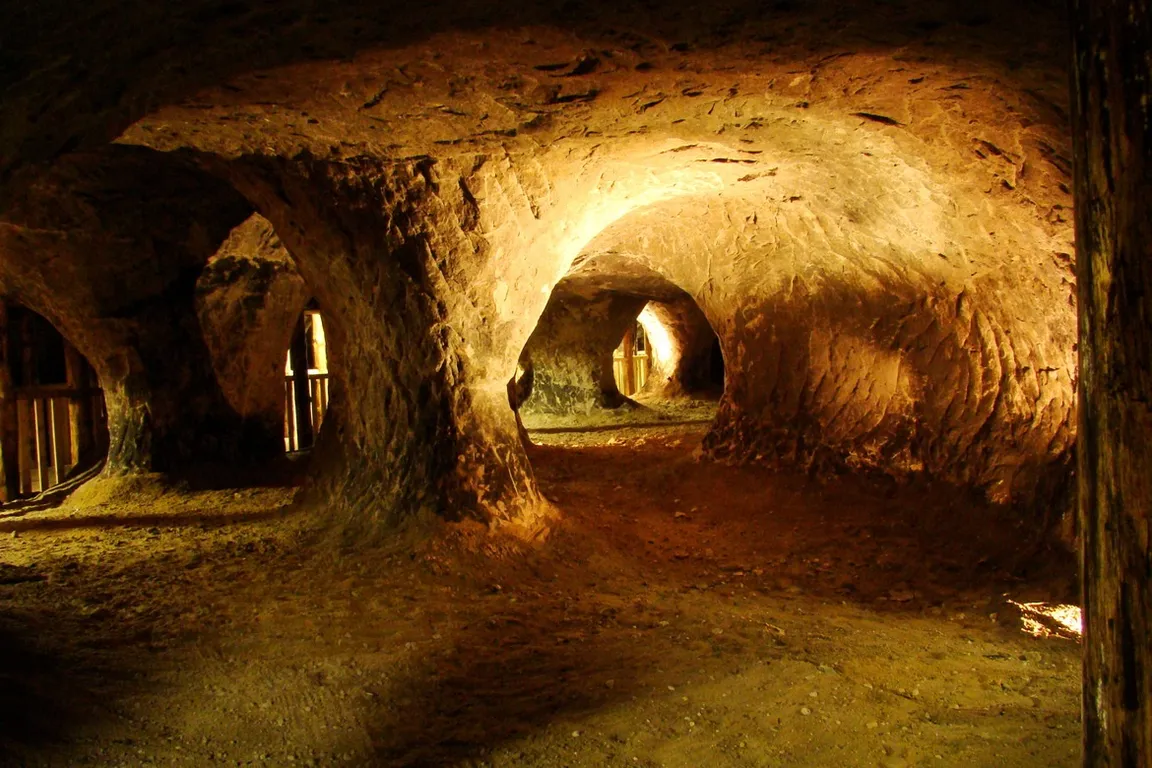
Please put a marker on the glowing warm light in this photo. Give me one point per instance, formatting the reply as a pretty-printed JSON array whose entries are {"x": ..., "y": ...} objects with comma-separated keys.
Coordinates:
[
  {"x": 1050, "y": 620},
  {"x": 655, "y": 173},
  {"x": 661, "y": 347},
  {"x": 319, "y": 345}
]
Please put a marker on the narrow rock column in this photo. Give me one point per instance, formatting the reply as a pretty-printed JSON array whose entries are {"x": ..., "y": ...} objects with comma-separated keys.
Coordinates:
[
  {"x": 1113, "y": 170},
  {"x": 570, "y": 353},
  {"x": 420, "y": 351}
]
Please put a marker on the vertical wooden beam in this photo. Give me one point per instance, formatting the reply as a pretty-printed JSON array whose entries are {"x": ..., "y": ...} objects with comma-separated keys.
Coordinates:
[
  {"x": 81, "y": 426},
  {"x": 61, "y": 437},
  {"x": 40, "y": 432},
  {"x": 298, "y": 356},
  {"x": 323, "y": 398},
  {"x": 1112, "y": 136},
  {"x": 317, "y": 404},
  {"x": 9, "y": 434},
  {"x": 289, "y": 416},
  {"x": 629, "y": 345},
  {"x": 27, "y": 444}
]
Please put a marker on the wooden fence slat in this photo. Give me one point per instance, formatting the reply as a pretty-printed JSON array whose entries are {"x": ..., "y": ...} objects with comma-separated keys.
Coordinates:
[
  {"x": 26, "y": 440},
  {"x": 50, "y": 427},
  {"x": 290, "y": 415},
  {"x": 318, "y": 402},
  {"x": 61, "y": 436},
  {"x": 40, "y": 429},
  {"x": 81, "y": 427},
  {"x": 318, "y": 392}
]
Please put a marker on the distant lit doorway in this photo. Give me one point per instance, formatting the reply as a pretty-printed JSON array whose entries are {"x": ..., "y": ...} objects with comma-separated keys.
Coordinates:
[
  {"x": 305, "y": 383},
  {"x": 631, "y": 361}
]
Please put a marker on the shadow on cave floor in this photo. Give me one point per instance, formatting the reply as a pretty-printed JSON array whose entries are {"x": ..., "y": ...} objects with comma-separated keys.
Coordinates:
[
  {"x": 616, "y": 427},
  {"x": 683, "y": 614},
  {"x": 647, "y": 415},
  {"x": 284, "y": 471},
  {"x": 204, "y": 519},
  {"x": 37, "y": 692}
]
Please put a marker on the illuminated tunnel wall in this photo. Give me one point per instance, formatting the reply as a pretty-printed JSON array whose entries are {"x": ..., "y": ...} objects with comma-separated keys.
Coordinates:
[{"x": 877, "y": 235}]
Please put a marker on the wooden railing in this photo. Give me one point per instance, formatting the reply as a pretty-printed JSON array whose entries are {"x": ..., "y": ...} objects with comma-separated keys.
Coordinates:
[
  {"x": 318, "y": 394},
  {"x": 630, "y": 385},
  {"x": 55, "y": 427}
]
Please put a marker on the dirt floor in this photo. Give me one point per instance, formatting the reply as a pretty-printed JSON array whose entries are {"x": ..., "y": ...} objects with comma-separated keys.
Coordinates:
[{"x": 684, "y": 614}]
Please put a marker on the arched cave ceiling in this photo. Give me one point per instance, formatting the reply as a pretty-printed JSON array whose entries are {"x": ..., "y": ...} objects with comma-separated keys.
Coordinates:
[
  {"x": 882, "y": 185},
  {"x": 559, "y": 132},
  {"x": 75, "y": 76},
  {"x": 580, "y": 114}
]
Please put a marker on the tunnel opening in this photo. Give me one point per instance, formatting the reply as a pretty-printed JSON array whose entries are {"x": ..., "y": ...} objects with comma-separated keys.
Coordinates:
[
  {"x": 263, "y": 334},
  {"x": 56, "y": 425},
  {"x": 684, "y": 355},
  {"x": 618, "y": 346}
]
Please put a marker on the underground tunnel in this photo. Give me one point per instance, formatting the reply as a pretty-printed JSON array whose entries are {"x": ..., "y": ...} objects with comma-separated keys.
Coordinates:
[{"x": 740, "y": 384}]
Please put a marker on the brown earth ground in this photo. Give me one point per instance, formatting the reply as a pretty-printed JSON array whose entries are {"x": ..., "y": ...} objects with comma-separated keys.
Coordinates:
[{"x": 683, "y": 614}]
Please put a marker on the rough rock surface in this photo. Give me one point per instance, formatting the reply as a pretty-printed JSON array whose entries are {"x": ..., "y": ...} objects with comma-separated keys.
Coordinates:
[
  {"x": 422, "y": 335},
  {"x": 873, "y": 354},
  {"x": 109, "y": 247},
  {"x": 681, "y": 345},
  {"x": 869, "y": 205},
  {"x": 570, "y": 353}
]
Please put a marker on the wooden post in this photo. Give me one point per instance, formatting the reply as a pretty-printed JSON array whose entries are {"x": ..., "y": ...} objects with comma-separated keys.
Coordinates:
[
  {"x": 317, "y": 404},
  {"x": 61, "y": 422},
  {"x": 27, "y": 444},
  {"x": 298, "y": 355},
  {"x": 289, "y": 417},
  {"x": 40, "y": 430},
  {"x": 9, "y": 435},
  {"x": 629, "y": 345},
  {"x": 99, "y": 420},
  {"x": 80, "y": 420},
  {"x": 1112, "y": 135}
]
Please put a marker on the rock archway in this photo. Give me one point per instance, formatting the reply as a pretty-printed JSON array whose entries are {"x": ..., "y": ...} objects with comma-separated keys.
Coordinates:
[
  {"x": 570, "y": 351},
  {"x": 852, "y": 342},
  {"x": 686, "y": 357},
  {"x": 248, "y": 301},
  {"x": 569, "y": 355},
  {"x": 109, "y": 247},
  {"x": 771, "y": 200}
]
